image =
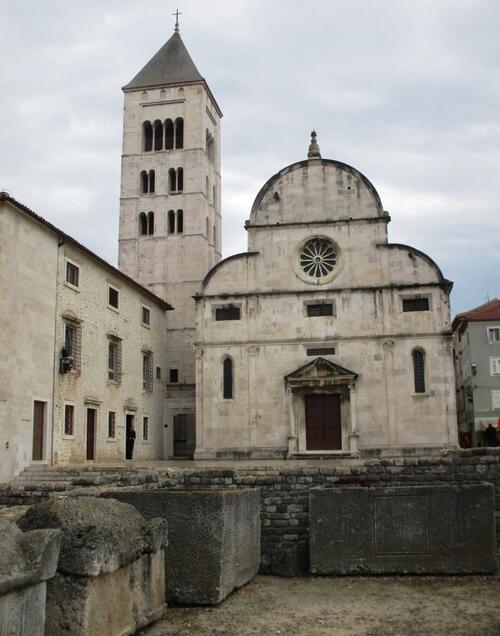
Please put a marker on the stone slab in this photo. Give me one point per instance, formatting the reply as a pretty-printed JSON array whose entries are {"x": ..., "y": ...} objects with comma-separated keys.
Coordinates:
[
  {"x": 403, "y": 530},
  {"x": 214, "y": 539},
  {"x": 22, "y": 612}
]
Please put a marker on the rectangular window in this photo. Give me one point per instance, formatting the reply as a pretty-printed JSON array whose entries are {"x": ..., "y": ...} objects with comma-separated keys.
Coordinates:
[
  {"x": 113, "y": 297},
  {"x": 495, "y": 399},
  {"x": 321, "y": 352},
  {"x": 72, "y": 274},
  {"x": 158, "y": 373},
  {"x": 146, "y": 316},
  {"x": 230, "y": 312},
  {"x": 71, "y": 353},
  {"x": 416, "y": 304},
  {"x": 495, "y": 366},
  {"x": 111, "y": 425},
  {"x": 493, "y": 334},
  {"x": 320, "y": 309},
  {"x": 69, "y": 419},
  {"x": 145, "y": 428},
  {"x": 114, "y": 358},
  {"x": 174, "y": 376},
  {"x": 147, "y": 371}
]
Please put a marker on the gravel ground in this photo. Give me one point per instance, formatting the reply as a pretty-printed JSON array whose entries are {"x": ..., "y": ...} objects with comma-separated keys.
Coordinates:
[{"x": 350, "y": 606}]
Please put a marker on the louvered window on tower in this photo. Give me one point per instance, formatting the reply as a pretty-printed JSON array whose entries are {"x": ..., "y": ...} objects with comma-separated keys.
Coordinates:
[
  {"x": 227, "y": 378},
  {"x": 229, "y": 312},
  {"x": 416, "y": 304}
]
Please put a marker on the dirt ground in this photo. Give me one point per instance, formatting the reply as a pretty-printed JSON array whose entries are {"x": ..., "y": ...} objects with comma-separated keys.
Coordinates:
[{"x": 351, "y": 606}]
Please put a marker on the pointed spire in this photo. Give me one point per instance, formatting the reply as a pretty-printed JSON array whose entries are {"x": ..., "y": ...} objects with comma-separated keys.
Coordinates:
[
  {"x": 313, "y": 152},
  {"x": 177, "y": 14}
]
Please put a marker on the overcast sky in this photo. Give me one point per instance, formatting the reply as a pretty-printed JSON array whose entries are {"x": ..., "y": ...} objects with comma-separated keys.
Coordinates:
[{"x": 407, "y": 91}]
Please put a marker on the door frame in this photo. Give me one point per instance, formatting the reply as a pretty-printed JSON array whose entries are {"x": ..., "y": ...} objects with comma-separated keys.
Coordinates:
[
  {"x": 46, "y": 431},
  {"x": 324, "y": 422}
]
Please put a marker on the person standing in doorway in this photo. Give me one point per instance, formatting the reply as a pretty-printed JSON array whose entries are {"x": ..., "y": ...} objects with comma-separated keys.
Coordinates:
[{"x": 129, "y": 441}]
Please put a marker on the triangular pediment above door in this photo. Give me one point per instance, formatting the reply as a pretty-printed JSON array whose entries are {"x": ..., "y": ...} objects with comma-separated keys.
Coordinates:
[{"x": 320, "y": 371}]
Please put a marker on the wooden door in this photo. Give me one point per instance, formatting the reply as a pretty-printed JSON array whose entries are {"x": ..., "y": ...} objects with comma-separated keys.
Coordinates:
[
  {"x": 323, "y": 425},
  {"x": 91, "y": 433},
  {"x": 38, "y": 430},
  {"x": 184, "y": 435}
]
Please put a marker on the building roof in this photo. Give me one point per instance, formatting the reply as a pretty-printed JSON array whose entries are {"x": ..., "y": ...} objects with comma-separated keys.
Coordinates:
[
  {"x": 485, "y": 312},
  {"x": 172, "y": 64},
  {"x": 5, "y": 196}
]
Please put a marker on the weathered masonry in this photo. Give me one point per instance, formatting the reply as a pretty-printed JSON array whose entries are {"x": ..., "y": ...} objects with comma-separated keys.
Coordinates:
[{"x": 323, "y": 338}]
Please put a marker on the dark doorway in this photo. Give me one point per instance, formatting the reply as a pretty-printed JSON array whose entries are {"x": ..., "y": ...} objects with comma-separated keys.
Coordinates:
[
  {"x": 184, "y": 435},
  {"x": 323, "y": 426},
  {"x": 91, "y": 433},
  {"x": 129, "y": 436},
  {"x": 38, "y": 429}
]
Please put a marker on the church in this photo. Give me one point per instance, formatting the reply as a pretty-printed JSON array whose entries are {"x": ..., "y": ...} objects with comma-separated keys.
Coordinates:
[{"x": 322, "y": 339}]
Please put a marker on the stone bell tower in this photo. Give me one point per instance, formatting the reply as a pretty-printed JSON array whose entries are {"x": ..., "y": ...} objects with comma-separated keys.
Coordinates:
[{"x": 170, "y": 218}]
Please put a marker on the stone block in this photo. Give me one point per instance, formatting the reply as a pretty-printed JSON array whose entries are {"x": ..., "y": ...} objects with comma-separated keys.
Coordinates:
[
  {"x": 27, "y": 561},
  {"x": 111, "y": 572},
  {"x": 402, "y": 530},
  {"x": 214, "y": 539}
]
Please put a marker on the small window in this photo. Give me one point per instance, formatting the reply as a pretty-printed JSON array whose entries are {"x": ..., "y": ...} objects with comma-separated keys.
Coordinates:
[
  {"x": 114, "y": 359},
  {"x": 145, "y": 428},
  {"x": 72, "y": 274},
  {"x": 147, "y": 371},
  {"x": 147, "y": 136},
  {"x": 179, "y": 132},
  {"x": 419, "y": 370},
  {"x": 72, "y": 344},
  {"x": 143, "y": 224},
  {"x": 227, "y": 379},
  {"x": 416, "y": 304},
  {"x": 146, "y": 316},
  {"x": 151, "y": 223},
  {"x": 494, "y": 366},
  {"x": 69, "y": 419},
  {"x": 112, "y": 297},
  {"x": 495, "y": 399},
  {"x": 321, "y": 352},
  {"x": 174, "y": 376},
  {"x": 180, "y": 221},
  {"x": 169, "y": 134},
  {"x": 227, "y": 313},
  {"x": 111, "y": 425},
  {"x": 144, "y": 182},
  {"x": 320, "y": 309},
  {"x": 171, "y": 222},
  {"x": 158, "y": 373},
  {"x": 493, "y": 334}
]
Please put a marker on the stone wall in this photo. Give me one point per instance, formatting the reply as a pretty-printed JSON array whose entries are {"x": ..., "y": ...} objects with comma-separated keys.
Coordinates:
[{"x": 285, "y": 491}]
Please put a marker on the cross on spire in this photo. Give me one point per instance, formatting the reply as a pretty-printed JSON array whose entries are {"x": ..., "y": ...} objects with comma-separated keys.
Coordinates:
[{"x": 177, "y": 14}]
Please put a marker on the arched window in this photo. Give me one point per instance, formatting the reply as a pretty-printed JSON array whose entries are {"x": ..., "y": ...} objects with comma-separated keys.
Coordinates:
[
  {"x": 207, "y": 226},
  {"x": 172, "y": 180},
  {"x": 151, "y": 222},
  {"x": 180, "y": 221},
  {"x": 215, "y": 243},
  {"x": 207, "y": 188},
  {"x": 151, "y": 181},
  {"x": 214, "y": 196},
  {"x": 180, "y": 179},
  {"x": 171, "y": 221},
  {"x": 158, "y": 135},
  {"x": 179, "y": 132},
  {"x": 210, "y": 146},
  {"x": 227, "y": 379},
  {"x": 169, "y": 134},
  {"x": 419, "y": 370},
  {"x": 143, "y": 224},
  {"x": 144, "y": 182},
  {"x": 147, "y": 136}
]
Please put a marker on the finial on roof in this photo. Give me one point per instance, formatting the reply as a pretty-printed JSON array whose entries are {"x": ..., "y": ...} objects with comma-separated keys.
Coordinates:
[
  {"x": 313, "y": 152},
  {"x": 177, "y": 14}
]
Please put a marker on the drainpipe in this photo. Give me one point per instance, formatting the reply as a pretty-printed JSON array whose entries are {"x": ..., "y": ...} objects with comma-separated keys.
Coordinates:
[{"x": 55, "y": 370}]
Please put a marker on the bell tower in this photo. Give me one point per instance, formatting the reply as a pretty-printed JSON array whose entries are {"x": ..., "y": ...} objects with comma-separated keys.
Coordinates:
[{"x": 170, "y": 202}]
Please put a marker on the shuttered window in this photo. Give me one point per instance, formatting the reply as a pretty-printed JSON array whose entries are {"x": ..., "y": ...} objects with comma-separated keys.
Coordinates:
[
  {"x": 415, "y": 304},
  {"x": 228, "y": 392},
  {"x": 419, "y": 371},
  {"x": 227, "y": 313},
  {"x": 321, "y": 309}
]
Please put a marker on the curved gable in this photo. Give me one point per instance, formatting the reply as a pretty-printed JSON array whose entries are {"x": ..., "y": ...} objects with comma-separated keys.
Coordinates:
[
  {"x": 315, "y": 190},
  {"x": 228, "y": 276}
]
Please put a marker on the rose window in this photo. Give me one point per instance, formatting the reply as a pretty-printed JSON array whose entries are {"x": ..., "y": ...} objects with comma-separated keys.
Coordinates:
[{"x": 318, "y": 257}]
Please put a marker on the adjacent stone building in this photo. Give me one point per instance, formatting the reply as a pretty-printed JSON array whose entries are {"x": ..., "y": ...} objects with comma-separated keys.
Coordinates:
[
  {"x": 83, "y": 351},
  {"x": 323, "y": 338},
  {"x": 477, "y": 365}
]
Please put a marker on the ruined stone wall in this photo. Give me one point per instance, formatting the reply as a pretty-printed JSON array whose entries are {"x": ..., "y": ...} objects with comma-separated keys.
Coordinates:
[{"x": 285, "y": 491}]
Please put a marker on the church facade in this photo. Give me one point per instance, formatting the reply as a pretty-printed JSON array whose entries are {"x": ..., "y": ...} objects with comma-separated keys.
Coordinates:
[{"x": 323, "y": 338}]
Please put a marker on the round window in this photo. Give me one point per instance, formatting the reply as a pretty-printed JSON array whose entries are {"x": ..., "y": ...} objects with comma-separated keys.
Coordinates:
[{"x": 318, "y": 260}]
